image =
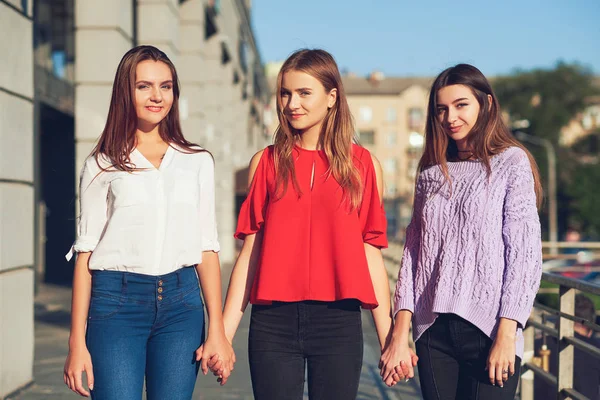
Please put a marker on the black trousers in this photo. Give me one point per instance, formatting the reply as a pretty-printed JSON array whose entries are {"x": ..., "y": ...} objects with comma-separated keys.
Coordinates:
[
  {"x": 323, "y": 339},
  {"x": 452, "y": 359}
]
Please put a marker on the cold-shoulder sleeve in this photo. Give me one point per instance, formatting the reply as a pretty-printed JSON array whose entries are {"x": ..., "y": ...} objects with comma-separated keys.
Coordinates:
[
  {"x": 252, "y": 212},
  {"x": 372, "y": 213}
]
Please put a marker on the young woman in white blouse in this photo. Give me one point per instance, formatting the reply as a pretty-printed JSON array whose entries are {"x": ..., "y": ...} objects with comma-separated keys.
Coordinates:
[{"x": 147, "y": 218}]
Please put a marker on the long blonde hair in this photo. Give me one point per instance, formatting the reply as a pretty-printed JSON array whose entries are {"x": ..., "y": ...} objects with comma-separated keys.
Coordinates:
[
  {"x": 489, "y": 136},
  {"x": 337, "y": 132}
]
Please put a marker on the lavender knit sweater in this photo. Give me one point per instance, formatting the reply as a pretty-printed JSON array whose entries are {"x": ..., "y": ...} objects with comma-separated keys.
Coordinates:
[{"x": 474, "y": 250}]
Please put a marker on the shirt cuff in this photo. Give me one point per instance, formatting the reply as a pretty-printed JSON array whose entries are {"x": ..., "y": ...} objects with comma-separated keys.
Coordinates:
[
  {"x": 211, "y": 246},
  {"x": 83, "y": 244}
]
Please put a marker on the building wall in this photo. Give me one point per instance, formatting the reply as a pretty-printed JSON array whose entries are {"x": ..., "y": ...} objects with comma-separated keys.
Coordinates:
[
  {"x": 387, "y": 116},
  {"x": 16, "y": 197}
]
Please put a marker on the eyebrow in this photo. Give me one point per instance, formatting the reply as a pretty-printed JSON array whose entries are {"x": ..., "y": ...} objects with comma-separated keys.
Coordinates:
[
  {"x": 149, "y": 82},
  {"x": 455, "y": 101},
  {"x": 297, "y": 90}
]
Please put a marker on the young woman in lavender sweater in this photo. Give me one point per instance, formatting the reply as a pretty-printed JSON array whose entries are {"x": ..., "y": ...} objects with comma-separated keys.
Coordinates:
[{"x": 472, "y": 260}]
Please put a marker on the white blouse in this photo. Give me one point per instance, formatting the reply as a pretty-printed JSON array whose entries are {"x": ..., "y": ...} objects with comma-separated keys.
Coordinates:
[{"x": 152, "y": 221}]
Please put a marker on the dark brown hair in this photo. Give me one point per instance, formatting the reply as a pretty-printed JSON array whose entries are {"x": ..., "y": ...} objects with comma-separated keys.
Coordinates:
[
  {"x": 489, "y": 136},
  {"x": 337, "y": 132},
  {"x": 118, "y": 137}
]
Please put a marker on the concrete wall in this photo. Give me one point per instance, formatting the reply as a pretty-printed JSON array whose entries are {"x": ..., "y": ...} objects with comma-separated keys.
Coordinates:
[{"x": 16, "y": 198}]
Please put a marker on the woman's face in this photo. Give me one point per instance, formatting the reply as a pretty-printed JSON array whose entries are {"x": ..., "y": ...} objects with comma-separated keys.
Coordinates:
[
  {"x": 304, "y": 100},
  {"x": 457, "y": 111},
  {"x": 153, "y": 93}
]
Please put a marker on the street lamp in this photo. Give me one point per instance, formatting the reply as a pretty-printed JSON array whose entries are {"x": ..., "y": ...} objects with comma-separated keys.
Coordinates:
[{"x": 552, "y": 212}]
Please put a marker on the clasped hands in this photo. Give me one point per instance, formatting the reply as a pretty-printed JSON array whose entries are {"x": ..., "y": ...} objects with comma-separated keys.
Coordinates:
[
  {"x": 397, "y": 362},
  {"x": 218, "y": 357}
]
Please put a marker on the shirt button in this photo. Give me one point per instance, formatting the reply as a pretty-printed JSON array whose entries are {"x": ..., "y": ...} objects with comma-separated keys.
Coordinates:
[
  {"x": 159, "y": 297},
  {"x": 160, "y": 290}
]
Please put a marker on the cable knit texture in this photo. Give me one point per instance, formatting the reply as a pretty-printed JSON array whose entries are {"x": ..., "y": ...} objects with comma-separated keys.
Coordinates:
[{"x": 473, "y": 247}]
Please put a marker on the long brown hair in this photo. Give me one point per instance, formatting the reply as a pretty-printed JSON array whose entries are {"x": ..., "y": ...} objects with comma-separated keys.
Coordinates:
[
  {"x": 488, "y": 137},
  {"x": 118, "y": 137},
  {"x": 337, "y": 132}
]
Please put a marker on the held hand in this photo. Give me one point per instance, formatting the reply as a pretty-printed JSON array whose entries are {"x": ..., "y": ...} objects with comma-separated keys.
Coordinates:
[
  {"x": 397, "y": 362},
  {"x": 217, "y": 355},
  {"x": 77, "y": 362},
  {"x": 501, "y": 360}
]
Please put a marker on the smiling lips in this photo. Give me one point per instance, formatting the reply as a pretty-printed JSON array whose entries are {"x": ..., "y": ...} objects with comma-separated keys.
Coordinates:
[
  {"x": 296, "y": 116},
  {"x": 455, "y": 129},
  {"x": 154, "y": 108}
]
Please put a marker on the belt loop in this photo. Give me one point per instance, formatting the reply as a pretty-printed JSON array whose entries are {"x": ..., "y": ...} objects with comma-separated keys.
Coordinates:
[{"x": 124, "y": 282}]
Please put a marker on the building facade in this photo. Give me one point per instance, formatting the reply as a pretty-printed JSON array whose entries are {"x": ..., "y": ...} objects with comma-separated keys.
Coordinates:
[
  {"x": 55, "y": 89},
  {"x": 17, "y": 190},
  {"x": 389, "y": 115}
]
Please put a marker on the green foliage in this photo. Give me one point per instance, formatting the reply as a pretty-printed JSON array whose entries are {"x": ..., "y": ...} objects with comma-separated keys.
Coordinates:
[
  {"x": 549, "y": 99},
  {"x": 584, "y": 190}
]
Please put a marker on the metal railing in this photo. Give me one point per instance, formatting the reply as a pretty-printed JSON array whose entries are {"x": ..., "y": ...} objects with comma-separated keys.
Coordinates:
[{"x": 564, "y": 333}]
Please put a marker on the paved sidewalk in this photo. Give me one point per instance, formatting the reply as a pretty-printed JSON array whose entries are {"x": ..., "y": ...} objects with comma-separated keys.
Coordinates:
[{"x": 52, "y": 306}]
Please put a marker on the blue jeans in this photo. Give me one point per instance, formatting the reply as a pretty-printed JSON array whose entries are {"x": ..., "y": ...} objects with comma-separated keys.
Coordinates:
[{"x": 144, "y": 326}]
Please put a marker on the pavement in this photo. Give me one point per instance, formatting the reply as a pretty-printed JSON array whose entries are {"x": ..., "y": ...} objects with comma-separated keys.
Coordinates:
[{"x": 52, "y": 320}]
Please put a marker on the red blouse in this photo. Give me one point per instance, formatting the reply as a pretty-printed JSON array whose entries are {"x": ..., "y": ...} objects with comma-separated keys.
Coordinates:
[{"x": 313, "y": 246}]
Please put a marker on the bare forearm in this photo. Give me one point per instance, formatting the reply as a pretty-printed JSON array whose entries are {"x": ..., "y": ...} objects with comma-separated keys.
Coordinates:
[
  {"x": 80, "y": 300},
  {"x": 240, "y": 284},
  {"x": 402, "y": 325},
  {"x": 382, "y": 314},
  {"x": 209, "y": 272},
  {"x": 507, "y": 328}
]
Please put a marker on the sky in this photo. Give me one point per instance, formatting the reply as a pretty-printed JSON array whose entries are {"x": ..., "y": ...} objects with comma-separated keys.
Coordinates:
[{"x": 423, "y": 37}]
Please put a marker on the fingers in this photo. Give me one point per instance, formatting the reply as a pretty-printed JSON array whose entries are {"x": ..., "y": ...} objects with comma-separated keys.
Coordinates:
[
  {"x": 408, "y": 369},
  {"x": 414, "y": 358},
  {"x": 89, "y": 372},
  {"x": 396, "y": 378},
  {"x": 224, "y": 377},
  {"x": 79, "y": 385},
  {"x": 199, "y": 353},
  {"x": 204, "y": 365},
  {"x": 498, "y": 376},
  {"x": 390, "y": 381},
  {"x": 400, "y": 372},
  {"x": 511, "y": 368}
]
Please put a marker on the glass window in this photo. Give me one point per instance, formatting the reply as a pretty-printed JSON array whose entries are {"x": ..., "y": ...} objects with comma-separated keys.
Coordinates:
[
  {"x": 365, "y": 113},
  {"x": 391, "y": 114},
  {"x": 391, "y": 165},
  {"x": 366, "y": 137},
  {"x": 391, "y": 138},
  {"x": 415, "y": 118}
]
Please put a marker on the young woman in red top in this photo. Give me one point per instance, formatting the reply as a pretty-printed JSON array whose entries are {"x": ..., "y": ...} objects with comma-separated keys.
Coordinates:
[{"x": 313, "y": 225}]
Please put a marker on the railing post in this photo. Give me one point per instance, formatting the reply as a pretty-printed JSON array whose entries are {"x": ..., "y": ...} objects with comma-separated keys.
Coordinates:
[
  {"x": 565, "y": 350},
  {"x": 528, "y": 353}
]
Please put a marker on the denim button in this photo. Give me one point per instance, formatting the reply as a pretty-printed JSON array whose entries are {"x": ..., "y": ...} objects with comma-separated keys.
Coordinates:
[
  {"x": 160, "y": 290},
  {"x": 160, "y": 283},
  {"x": 159, "y": 297}
]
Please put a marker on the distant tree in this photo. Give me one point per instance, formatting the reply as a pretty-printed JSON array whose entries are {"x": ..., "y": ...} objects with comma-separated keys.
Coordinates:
[{"x": 549, "y": 99}]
